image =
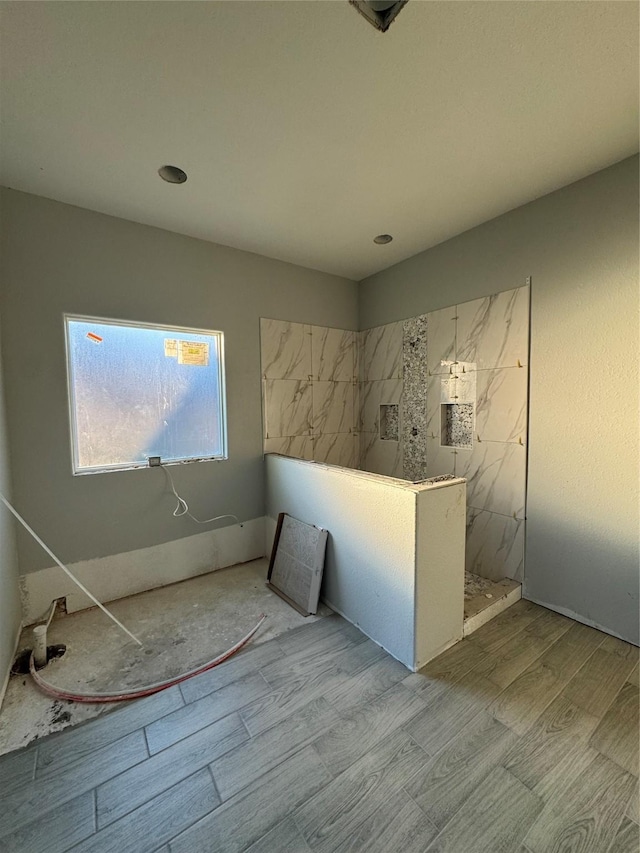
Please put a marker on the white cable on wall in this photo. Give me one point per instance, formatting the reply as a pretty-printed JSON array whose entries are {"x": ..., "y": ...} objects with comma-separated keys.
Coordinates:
[
  {"x": 183, "y": 506},
  {"x": 66, "y": 570}
]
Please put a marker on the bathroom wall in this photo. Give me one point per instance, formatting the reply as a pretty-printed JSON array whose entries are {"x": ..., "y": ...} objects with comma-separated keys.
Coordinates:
[
  {"x": 460, "y": 378},
  {"x": 579, "y": 245},
  {"x": 309, "y": 392},
  {"x": 488, "y": 341},
  {"x": 10, "y": 612},
  {"x": 58, "y": 258}
]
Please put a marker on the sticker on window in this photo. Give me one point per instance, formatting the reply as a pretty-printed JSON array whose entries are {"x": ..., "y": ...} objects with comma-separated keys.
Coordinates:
[
  {"x": 192, "y": 352},
  {"x": 171, "y": 347}
]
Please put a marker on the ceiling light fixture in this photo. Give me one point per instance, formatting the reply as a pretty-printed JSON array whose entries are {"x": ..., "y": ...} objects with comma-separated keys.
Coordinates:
[
  {"x": 382, "y": 239},
  {"x": 380, "y": 13},
  {"x": 172, "y": 174}
]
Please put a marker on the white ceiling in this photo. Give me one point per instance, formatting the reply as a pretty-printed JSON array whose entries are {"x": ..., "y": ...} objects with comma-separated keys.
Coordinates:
[{"x": 304, "y": 131}]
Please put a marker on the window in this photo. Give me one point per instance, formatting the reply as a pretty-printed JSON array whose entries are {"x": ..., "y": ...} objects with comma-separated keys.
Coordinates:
[{"x": 138, "y": 390}]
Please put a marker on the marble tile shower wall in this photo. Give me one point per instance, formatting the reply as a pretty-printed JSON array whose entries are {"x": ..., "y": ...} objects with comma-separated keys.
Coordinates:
[
  {"x": 380, "y": 372},
  {"x": 481, "y": 345},
  {"x": 488, "y": 338},
  {"x": 324, "y": 391},
  {"x": 310, "y": 392}
]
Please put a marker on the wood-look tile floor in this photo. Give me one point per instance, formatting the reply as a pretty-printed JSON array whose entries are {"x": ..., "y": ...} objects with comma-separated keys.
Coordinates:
[{"x": 523, "y": 738}]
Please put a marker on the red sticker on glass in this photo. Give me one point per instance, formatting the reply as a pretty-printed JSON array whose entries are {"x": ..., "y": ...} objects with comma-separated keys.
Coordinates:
[{"x": 95, "y": 338}]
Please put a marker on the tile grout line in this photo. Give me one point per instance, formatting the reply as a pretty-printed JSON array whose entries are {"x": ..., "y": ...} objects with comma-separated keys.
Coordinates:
[
  {"x": 553, "y": 699},
  {"x": 215, "y": 788},
  {"x": 164, "y": 790},
  {"x": 508, "y": 639},
  {"x": 610, "y": 705},
  {"x": 95, "y": 811},
  {"x": 85, "y": 724}
]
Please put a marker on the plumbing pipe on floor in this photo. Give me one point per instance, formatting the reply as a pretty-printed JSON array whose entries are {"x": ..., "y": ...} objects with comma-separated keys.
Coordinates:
[{"x": 123, "y": 695}]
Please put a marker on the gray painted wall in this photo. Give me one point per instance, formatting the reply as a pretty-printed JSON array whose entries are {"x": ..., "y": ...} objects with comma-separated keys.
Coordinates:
[
  {"x": 580, "y": 246},
  {"x": 59, "y": 258},
  {"x": 10, "y": 611}
]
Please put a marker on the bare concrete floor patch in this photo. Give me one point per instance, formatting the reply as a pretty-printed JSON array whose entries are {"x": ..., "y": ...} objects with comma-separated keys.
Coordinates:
[{"x": 181, "y": 626}]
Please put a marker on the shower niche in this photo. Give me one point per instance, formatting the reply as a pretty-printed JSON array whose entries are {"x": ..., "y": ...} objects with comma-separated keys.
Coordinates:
[
  {"x": 389, "y": 421},
  {"x": 456, "y": 424},
  {"x": 457, "y": 405}
]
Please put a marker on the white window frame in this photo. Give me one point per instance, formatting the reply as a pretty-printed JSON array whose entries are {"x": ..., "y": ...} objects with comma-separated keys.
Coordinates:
[{"x": 127, "y": 466}]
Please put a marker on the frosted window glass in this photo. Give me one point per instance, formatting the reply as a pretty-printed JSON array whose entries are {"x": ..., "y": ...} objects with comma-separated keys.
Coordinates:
[{"x": 140, "y": 391}]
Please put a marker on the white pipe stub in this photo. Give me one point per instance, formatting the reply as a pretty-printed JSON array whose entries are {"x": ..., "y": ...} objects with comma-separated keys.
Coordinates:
[{"x": 40, "y": 645}]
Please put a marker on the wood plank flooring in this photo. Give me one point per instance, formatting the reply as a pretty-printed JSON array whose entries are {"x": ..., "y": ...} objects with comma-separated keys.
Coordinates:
[{"x": 523, "y": 738}]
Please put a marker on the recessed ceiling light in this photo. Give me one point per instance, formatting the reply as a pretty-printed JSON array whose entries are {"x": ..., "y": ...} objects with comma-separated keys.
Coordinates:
[
  {"x": 381, "y": 239},
  {"x": 379, "y": 13},
  {"x": 172, "y": 174}
]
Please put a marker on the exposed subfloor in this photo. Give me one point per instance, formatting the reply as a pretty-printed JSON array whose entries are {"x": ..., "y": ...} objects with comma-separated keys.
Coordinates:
[
  {"x": 181, "y": 626},
  {"x": 522, "y": 738}
]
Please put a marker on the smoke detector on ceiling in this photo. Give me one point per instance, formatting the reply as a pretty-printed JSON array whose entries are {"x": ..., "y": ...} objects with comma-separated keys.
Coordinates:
[{"x": 380, "y": 13}]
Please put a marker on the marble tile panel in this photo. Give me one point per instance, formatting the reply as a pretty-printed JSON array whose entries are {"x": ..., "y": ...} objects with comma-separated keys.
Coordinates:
[
  {"x": 494, "y": 331},
  {"x": 442, "y": 339},
  {"x": 495, "y": 545},
  {"x": 332, "y": 407},
  {"x": 369, "y": 406},
  {"x": 382, "y": 352},
  {"x": 285, "y": 349},
  {"x": 332, "y": 354},
  {"x": 356, "y": 406},
  {"x": 390, "y": 391},
  {"x": 366, "y": 442},
  {"x": 340, "y": 449},
  {"x": 501, "y": 404},
  {"x": 433, "y": 394},
  {"x": 440, "y": 460},
  {"x": 361, "y": 338},
  {"x": 287, "y": 407},
  {"x": 298, "y": 446},
  {"x": 384, "y": 457},
  {"x": 496, "y": 476},
  {"x": 462, "y": 461}
]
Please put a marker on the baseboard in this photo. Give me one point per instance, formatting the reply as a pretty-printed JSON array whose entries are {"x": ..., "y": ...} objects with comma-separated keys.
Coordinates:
[
  {"x": 577, "y": 617},
  {"x": 120, "y": 575},
  {"x": 5, "y": 683}
]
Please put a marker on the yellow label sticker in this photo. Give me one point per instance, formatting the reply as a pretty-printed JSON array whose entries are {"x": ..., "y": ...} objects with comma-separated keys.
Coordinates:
[
  {"x": 192, "y": 352},
  {"x": 171, "y": 347}
]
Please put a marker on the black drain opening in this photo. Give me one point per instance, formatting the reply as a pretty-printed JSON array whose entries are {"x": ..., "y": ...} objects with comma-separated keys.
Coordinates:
[{"x": 21, "y": 663}]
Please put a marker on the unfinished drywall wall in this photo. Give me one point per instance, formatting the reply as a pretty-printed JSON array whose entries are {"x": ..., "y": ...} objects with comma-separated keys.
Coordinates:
[
  {"x": 580, "y": 246},
  {"x": 10, "y": 614},
  {"x": 58, "y": 258},
  {"x": 383, "y": 542}
]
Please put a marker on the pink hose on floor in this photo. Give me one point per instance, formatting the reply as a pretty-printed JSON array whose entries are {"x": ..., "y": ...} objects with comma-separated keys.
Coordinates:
[{"x": 123, "y": 695}]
